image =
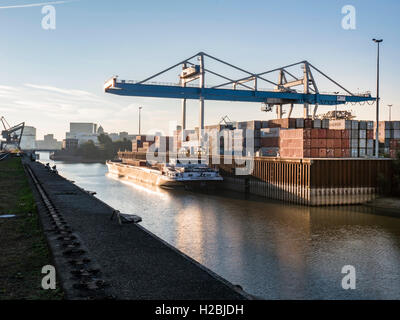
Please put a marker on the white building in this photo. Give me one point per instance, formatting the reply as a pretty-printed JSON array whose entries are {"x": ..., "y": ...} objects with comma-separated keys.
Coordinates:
[
  {"x": 28, "y": 140},
  {"x": 83, "y": 132},
  {"x": 48, "y": 143}
]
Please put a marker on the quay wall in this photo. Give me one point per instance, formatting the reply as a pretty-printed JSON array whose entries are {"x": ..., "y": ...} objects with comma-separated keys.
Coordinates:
[{"x": 314, "y": 182}]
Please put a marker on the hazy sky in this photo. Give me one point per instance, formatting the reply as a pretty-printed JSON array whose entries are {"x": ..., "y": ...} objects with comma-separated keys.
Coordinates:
[{"x": 51, "y": 77}]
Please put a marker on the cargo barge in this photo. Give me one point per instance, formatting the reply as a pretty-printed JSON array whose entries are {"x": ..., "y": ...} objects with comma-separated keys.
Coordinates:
[{"x": 167, "y": 175}]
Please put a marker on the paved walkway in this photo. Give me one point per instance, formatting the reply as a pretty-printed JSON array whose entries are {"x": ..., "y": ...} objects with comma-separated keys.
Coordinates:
[{"x": 136, "y": 263}]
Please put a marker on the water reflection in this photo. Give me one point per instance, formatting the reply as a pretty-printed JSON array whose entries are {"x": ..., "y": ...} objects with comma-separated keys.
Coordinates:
[{"x": 271, "y": 249}]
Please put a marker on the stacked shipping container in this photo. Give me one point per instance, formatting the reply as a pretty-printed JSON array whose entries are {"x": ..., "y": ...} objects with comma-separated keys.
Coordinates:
[
  {"x": 389, "y": 134},
  {"x": 325, "y": 138}
]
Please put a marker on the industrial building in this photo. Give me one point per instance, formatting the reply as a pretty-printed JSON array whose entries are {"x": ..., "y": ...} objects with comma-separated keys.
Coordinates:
[{"x": 28, "y": 140}]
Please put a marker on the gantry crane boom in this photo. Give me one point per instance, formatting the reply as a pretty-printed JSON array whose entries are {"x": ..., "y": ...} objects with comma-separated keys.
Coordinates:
[
  {"x": 126, "y": 88},
  {"x": 244, "y": 89}
]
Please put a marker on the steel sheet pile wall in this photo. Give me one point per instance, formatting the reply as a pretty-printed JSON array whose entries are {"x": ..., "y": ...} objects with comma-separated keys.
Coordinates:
[
  {"x": 315, "y": 182},
  {"x": 347, "y": 181}
]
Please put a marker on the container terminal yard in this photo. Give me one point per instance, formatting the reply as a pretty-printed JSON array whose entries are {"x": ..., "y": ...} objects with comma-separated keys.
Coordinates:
[
  {"x": 195, "y": 157},
  {"x": 309, "y": 160}
]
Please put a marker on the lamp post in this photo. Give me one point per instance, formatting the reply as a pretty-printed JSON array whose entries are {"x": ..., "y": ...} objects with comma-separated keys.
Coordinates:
[
  {"x": 140, "y": 109},
  {"x": 377, "y": 100},
  {"x": 390, "y": 111}
]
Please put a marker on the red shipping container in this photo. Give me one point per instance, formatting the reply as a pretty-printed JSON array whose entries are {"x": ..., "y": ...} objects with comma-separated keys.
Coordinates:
[
  {"x": 322, "y": 143},
  {"x": 307, "y": 143},
  {"x": 307, "y": 153},
  {"x": 322, "y": 133},
  {"x": 314, "y": 133},
  {"x": 346, "y": 153},
  {"x": 307, "y": 133},
  {"x": 322, "y": 153},
  {"x": 330, "y": 143},
  {"x": 314, "y": 153},
  {"x": 314, "y": 143},
  {"x": 394, "y": 143},
  {"x": 338, "y": 153},
  {"x": 307, "y": 123},
  {"x": 282, "y": 123},
  {"x": 345, "y": 134},
  {"x": 338, "y": 134},
  {"x": 269, "y": 142},
  {"x": 330, "y": 153},
  {"x": 330, "y": 134},
  {"x": 370, "y": 134},
  {"x": 345, "y": 143},
  {"x": 337, "y": 143}
]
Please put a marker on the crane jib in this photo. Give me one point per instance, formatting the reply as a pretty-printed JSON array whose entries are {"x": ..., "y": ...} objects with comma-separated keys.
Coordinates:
[{"x": 274, "y": 97}]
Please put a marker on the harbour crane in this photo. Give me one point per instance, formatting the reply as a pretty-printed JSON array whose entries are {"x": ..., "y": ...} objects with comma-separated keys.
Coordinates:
[
  {"x": 244, "y": 89},
  {"x": 12, "y": 135}
]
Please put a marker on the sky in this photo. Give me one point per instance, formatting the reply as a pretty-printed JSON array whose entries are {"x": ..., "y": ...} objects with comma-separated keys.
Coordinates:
[{"x": 49, "y": 78}]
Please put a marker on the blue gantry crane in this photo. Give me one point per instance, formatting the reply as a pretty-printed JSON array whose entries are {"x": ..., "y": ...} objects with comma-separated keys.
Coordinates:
[{"x": 245, "y": 89}]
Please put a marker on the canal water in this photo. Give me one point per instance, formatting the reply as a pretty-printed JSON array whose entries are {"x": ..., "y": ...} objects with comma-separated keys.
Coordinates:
[{"x": 272, "y": 249}]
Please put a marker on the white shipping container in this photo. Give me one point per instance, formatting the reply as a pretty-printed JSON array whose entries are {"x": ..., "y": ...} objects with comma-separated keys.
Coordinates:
[
  {"x": 354, "y": 134},
  {"x": 396, "y": 125},
  {"x": 340, "y": 124},
  {"x": 362, "y": 152},
  {"x": 354, "y": 153},
  {"x": 396, "y": 134},
  {"x": 270, "y": 132},
  {"x": 354, "y": 143},
  {"x": 363, "y": 134},
  {"x": 362, "y": 143},
  {"x": 325, "y": 124},
  {"x": 370, "y": 152},
  {"x": 370, "y": 143},
  {"x": 388, "y": 134}
]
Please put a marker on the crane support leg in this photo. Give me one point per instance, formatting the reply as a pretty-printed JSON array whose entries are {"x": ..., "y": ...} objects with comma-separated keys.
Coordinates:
[
  {"x": 290, "y": 110},
  {"x": 315, "y": 111},
  {"x": 201, "y": 123},
  {"x": 183, "y": 114},
  {"x": 306, "y": 111},
  {"x": 279, "y": 111}
]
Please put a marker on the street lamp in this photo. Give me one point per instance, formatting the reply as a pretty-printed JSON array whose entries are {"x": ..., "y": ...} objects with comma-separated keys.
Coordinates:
[
  {"x": 377, "y": 100},
  {"x": 390, "y": 111},
  {"x": 140, "y": 108}
]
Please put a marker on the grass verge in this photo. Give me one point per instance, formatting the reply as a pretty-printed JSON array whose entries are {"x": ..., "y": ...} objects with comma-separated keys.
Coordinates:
[{"x": 23, "y": 248}]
